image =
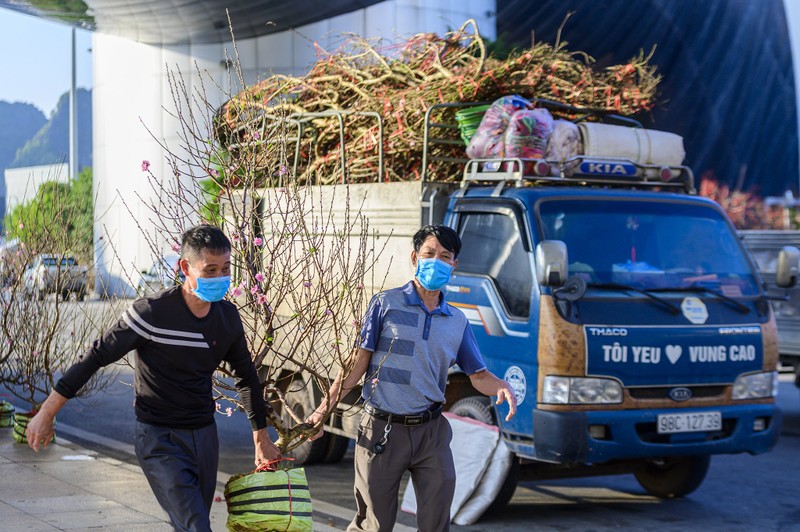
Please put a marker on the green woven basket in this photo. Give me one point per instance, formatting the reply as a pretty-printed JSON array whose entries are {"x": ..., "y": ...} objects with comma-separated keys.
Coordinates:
[{"x": 21, "y": 424}]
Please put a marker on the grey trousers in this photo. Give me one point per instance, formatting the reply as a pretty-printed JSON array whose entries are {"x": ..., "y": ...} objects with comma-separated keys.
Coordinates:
[
  {"x": 181, "y": 467},
  {"x": 424, "y": 450}
]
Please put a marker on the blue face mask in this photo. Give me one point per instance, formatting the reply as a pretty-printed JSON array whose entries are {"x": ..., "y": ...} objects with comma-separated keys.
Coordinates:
[
  {"x": 432, "y": 274},
  {"x": 212, "y": 288}
]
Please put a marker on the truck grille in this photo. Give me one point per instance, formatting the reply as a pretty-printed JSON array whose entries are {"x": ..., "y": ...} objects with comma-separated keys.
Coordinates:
[{"x": 662, "y": 392}]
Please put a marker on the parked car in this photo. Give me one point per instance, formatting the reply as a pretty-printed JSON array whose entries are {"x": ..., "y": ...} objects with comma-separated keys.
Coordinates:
[
  {"x": 164, "y": 273},
  {"x": 55, "y": 274}
]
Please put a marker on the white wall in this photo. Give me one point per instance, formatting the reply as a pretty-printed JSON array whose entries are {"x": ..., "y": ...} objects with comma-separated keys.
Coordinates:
[
  {"x": 22, "y": 183},
  {"x": 131, "y": 91}
]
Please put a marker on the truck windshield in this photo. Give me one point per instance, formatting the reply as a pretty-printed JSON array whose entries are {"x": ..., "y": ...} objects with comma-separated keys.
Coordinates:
[{"x": 649, "y": 244}]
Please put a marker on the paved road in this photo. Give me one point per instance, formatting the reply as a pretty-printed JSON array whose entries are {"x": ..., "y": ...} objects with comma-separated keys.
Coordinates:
[{"x": 741, "y": 492}]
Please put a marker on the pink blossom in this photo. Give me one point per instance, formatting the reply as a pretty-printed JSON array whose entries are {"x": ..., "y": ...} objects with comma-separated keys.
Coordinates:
[
  {"x": 260, "y": 277},
  {"x": 256, "y": 135},
  {"x": 328, "y": 312},
  {"x": 262, "y": 298},
  {"x": 36, "y": 353},
  {"x": 145, "y": 165},
  {"x": 254, "y": 289},
  {"x": 235, "y": 237},
  {"x": 283, "y": 170},
  {"x": 21, "y": 226},
  {"x": 258, "y": 241},
  {"x": 360, "y": 286},
  {"x": 176, "y": 247},
  {"x": 307, "y": 284},
  {"x": 355, "y": 323},
  {"x": 213, "y": 172},
  {"x": 375, "y": 381},
  {"x": 237, "y": 291}
]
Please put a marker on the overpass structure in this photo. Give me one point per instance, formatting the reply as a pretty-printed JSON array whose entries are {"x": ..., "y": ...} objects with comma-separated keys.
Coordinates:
[
  {"x": 729, "y": 70},
  {"x": 137, "y": 43}
]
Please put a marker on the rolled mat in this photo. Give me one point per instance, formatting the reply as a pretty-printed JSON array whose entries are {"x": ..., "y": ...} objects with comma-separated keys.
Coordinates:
[{"x": 640, "y": 145}]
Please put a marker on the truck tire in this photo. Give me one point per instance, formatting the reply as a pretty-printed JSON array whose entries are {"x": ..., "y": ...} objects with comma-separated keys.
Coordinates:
[
  {"x": 337, "y": 448},
  {"x": 672, "y": 477},
  {"x": 479, "y": 409},
  {"x": 337, "y": 445},
  {"x": 309, "y": 452}
]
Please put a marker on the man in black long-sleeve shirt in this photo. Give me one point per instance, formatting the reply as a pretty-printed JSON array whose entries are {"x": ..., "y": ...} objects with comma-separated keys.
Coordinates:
[{"x": 180, "y": 336}]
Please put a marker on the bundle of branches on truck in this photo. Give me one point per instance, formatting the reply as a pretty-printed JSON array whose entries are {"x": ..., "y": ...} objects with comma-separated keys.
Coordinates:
[{"x": 386, "y": 92}]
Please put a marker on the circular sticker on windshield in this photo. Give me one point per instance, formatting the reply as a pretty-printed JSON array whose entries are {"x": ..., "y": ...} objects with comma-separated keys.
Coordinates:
[
  {"x": 694, "y": 310},
  {"x": 516, "y": 378}
]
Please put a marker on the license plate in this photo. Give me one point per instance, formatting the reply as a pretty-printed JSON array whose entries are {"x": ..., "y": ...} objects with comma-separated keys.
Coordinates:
[{"x": 689, "y": 422}]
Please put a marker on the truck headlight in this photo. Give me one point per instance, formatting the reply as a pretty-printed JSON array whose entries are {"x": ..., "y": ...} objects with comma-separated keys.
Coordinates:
[
  {"x": 756, "y": 385},
  {"x": 581, "y": 391}
]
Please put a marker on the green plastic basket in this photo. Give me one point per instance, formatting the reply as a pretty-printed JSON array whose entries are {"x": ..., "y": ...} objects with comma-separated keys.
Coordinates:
[{"x": 469, "y": 120}]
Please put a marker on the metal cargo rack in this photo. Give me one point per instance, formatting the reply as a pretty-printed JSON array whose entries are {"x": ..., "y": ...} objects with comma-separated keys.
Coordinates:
[
  {"x": 269, "y": 125},
  {"x": 581, "y": 170}
]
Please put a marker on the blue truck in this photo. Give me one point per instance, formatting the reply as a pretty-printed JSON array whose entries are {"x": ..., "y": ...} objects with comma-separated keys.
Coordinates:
[{"x": 628, "y": 317}]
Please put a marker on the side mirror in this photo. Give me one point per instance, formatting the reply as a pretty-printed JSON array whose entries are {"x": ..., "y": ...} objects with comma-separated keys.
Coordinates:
[
  {"x": 787, "y": 269},
  {"x": 551, "y": 263}
]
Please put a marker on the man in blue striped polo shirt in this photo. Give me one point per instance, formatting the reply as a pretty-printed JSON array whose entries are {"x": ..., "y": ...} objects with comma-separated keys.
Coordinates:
[{"x": 410, "y": 338}]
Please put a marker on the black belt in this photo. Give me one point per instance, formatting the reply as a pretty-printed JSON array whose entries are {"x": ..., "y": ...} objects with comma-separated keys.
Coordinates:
[{"x": 410, "y": 420}]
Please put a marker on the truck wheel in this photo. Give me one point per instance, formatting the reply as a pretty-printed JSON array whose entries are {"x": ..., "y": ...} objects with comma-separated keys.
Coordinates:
[
  {"x": 299, "y": 401},
  {"x": 674, "y": 476},
  {"x": 65, "y": 295},
  {"x": 479, "y": 409},
  {"x": 337, "y": 445},
  {"x": 337, "y": 448}
]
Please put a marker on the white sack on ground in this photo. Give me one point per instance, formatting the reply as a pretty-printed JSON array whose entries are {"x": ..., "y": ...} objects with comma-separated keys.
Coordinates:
[
  {"x": 472, "y": 445},
  {"x": 489, "y": 486}
]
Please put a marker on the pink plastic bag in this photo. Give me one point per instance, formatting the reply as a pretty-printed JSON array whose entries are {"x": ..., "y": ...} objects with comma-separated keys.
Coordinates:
[
  {"x": 488, "y": 141},
  {"x": 527, "y": 133}
]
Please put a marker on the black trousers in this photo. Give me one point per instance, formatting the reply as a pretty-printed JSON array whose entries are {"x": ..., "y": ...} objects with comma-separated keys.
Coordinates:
[{"x": 181, "y": 467}]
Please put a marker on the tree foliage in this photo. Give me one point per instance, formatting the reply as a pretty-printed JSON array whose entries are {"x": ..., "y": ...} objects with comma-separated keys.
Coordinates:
[
  {"x": 41, "y": 335},
  {"x": 68, "y": 206}
]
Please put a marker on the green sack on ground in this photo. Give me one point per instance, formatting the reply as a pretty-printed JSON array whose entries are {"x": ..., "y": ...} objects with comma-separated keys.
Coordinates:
[
  {"x": 6, "y": 414},
  {"x": 21, "y": 424},
  {"x": 269, "y": 500}
]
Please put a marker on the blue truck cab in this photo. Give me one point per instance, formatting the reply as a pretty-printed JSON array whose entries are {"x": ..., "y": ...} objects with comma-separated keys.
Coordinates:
[{"x": 625, "y": 313}]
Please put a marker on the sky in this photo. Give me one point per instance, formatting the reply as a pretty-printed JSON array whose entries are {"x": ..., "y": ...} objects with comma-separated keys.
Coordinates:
[{"x": 35, "y": 59}]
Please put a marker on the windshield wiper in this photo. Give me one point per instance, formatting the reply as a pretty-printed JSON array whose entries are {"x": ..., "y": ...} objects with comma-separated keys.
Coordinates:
[
  {"x": 675, "y": 310},
  {"x": 741, "y": 307}
]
